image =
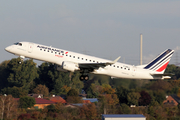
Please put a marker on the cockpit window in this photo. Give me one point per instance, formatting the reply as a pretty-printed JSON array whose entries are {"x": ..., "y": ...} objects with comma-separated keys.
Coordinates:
[{"x": 20, "y": 44}]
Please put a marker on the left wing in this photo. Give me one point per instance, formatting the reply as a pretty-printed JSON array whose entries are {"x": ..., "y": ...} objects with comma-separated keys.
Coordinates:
[{"x": 93, "y": 66}]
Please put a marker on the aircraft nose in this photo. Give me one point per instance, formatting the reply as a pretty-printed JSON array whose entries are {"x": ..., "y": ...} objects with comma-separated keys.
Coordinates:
[{"x": 8, "y": 48}]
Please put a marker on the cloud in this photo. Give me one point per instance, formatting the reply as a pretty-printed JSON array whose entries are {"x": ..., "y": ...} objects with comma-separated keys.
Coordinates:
[{"x": 177, "y": 48}]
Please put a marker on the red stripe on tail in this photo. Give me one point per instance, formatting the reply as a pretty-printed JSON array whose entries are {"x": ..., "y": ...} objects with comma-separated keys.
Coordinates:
[{"x": 162, "y": 68}]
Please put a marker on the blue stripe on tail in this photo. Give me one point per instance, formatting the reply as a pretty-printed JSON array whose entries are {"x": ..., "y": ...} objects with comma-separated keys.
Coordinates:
[{"x": 159, "y": 58}]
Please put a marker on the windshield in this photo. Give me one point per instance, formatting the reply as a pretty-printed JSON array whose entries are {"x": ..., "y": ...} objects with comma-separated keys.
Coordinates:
[{"x": 20, "y": 44}]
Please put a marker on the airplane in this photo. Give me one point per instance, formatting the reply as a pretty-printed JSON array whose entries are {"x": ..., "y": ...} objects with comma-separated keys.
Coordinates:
[{"x": 72, "y": 61}]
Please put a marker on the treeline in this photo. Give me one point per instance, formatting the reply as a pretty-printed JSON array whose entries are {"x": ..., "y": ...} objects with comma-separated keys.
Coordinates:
[
  {"x": 19, "y": 79},
  {"x": 115, "y": 95}
]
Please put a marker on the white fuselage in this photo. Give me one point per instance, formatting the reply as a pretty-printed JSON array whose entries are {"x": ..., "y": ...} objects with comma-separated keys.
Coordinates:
[{"x": 58, "y": 56}]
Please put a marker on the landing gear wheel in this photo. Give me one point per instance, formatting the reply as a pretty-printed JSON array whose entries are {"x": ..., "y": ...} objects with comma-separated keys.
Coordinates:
[{"x": 84, "y": 77}]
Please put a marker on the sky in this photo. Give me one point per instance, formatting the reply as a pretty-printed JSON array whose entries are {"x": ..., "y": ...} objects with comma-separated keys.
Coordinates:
[{"x": 101, "y": 28}]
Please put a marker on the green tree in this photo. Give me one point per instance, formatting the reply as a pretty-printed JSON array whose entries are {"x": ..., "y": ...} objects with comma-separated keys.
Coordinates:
[
  {"x": 75, "y": 82},
  {"x": 26, "y": 102},
  {"x": 133, "y": 98},
  {"x": 93, "y": 91},
  {"x": 175, "y": 70},
  {"x": 125, "y": 109},
  {"x": 52, "y": 78},
  {"x": 4, "y": 74},
  {"x": 72, "y": 97},
  {"x": 159, "y": 96},
  {"x": 16, "y": 92},
  {"x": 21, "y": 75},
  {"x": 72, "y": 92},
  {"x": 122, "y": 94},
  {"x": 41, "y": 89}
]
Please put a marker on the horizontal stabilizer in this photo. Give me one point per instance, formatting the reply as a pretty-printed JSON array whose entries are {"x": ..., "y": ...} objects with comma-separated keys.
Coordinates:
[{"x": 163, "y": 76}]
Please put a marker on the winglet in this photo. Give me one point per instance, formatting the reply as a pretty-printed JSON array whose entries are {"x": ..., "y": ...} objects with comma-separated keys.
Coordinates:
[{"x": 114, "y": 61}]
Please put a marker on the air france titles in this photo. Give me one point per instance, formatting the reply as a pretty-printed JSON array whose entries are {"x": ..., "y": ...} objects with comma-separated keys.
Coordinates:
[
  {"x": 51, "y": 49},
  {"x": 48, "y": 48}
]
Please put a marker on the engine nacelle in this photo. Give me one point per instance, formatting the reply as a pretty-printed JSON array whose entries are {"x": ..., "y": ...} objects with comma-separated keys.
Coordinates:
[
  {"x": 70, "y": 66},
  {"x": 59, "y": 68}
]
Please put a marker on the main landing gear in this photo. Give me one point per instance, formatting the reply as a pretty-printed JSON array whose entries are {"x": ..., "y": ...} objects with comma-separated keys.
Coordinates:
[{"x": 84, "y": 77}]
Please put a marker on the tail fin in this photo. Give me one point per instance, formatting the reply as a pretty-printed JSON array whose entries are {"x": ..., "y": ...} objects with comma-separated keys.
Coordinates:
[{"x": 160, "y": 63}]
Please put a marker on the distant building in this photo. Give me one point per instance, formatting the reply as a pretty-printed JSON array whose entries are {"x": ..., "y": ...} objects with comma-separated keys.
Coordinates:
[
  {"x": 92, "y": 100},
  {"x": 40, "y": 103},
  {"x": 172, "y": 100},
  {"x": 123, "y": 117},
  {"x": 36, "y": 95},
  {"x": 57, "y": 99}
]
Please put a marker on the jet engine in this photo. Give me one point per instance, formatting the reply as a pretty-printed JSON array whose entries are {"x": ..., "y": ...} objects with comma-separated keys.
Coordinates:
[
  {"x": 70, "y": 66},
  {"x": 59, "y": 68}
]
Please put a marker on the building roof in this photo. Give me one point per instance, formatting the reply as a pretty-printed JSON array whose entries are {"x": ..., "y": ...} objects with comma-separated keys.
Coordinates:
[
  {"x": 43, "y": 101},
  {"x": 91, "y": 99},
  {"x": 40, "y": 101},
  {"x": 86, "y": 101},
  {"x": 176, "y": 98},
  {"x": 57, "y": 99},
  {"x": 122, "y": 115}
]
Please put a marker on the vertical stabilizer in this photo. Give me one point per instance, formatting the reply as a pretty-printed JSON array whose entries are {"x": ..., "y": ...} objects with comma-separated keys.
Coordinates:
[{"x": 160, "y": 63}]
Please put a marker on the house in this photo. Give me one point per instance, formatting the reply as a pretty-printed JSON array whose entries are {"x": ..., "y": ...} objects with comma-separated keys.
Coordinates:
[
  {"x": 57, "y": 99},
  {"x": 40, "y": 103},
  {"x": 172, "y": 100}
]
